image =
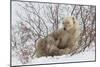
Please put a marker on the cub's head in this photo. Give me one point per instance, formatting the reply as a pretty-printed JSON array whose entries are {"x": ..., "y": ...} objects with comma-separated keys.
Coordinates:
[{"x": 69, "y": 23}]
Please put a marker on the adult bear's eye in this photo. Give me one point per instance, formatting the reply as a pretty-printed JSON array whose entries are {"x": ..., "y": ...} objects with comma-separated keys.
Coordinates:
[{"x": 64, "y": 28}]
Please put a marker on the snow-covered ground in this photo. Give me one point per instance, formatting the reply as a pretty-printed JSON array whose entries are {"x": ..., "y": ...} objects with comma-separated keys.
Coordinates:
[{"x": 87, "y": 55}]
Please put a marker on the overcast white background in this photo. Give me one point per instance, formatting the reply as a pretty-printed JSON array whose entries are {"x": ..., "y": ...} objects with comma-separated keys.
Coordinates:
[{"x": 5, "y": 33}]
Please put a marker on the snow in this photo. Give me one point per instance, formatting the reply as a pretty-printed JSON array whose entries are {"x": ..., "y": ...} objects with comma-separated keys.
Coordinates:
[
  {"x": 87, "y": 55},
  {"x": 84, "y": 56}
]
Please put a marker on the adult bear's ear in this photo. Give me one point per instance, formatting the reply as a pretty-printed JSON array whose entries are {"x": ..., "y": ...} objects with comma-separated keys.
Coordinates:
[{"x": 73, "y": 19}]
